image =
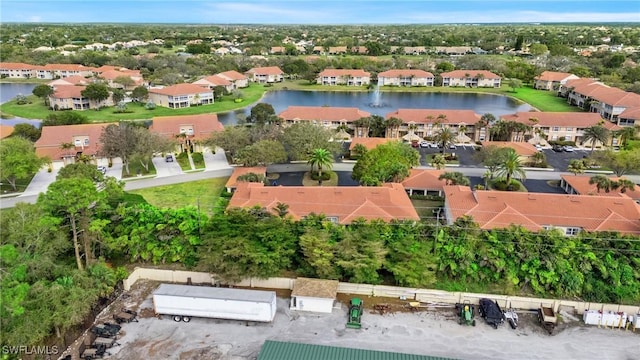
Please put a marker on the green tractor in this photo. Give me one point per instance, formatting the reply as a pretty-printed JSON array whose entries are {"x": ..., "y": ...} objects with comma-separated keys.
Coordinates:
[
  {"x": 355, "y": 313},
  {"x": 466, "y": 312}
]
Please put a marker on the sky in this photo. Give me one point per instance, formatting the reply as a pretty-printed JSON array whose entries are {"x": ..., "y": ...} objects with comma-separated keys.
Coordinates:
[{"x": 325, "y": 12}]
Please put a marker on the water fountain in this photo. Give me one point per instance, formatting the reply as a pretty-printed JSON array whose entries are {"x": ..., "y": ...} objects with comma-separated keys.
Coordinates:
[{"x": 375, "y": 99}]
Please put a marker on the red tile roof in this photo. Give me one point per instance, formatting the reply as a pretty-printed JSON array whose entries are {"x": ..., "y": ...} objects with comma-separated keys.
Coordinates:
[
  {"x": 232, "y": 75},
  {"x": 54, "y": 136},
  {"x": 68, "y": 91},
  {"x": 71, "y": 80},
  {"x": 617, "y": 97},
  {"x": 499, "y": 209},
  {"x": 5, "y": 130},
  {"x": 424, "y": 179},
  {"x": 386, "y": 202},
  {"x": 203, "y": 125},
  {"x": 422, "y": 116},
  {"x": 631, "y": 113},
  {"x": 369, "y": 143},
  {"x": 549, "y": 119},
  {"x": 405, "y": 73},
  {"x": 581, "y": 185},
  {"x": 552, "y": 76},
  {"x": 67, "y": 67},
  {"x": 16, "y": 66},
  {"x": 344, "y": 72},
  {"x": 180, "y": 89},
  {"x": 521, "y": 148},
  {"x": 214, "y": 80},
  {"x": 461, "y": 74},
  {"x": 239, "y": 171},
  {"x": 323, "y": 113},
  {"x": 269, "y": 70}
]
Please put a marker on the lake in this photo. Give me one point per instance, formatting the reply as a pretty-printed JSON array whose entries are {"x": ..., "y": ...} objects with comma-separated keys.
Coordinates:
[{"x": 377, "y": 104}]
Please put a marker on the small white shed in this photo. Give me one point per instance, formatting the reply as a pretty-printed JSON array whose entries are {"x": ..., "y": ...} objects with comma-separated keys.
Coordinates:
[{"x": 314, "y": 295}]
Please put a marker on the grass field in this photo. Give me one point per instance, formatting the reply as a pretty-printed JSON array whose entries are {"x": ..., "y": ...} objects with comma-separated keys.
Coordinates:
[
  {"x": 425, "y": 208},
  {"x": 37, "y": 110},
  {"x": 202, "y": 193}
]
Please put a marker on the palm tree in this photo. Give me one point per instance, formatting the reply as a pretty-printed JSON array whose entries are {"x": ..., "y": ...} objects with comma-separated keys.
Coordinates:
[
  {"x": 595, "y": 133},
  {"x": 362, "y": 127},
  {"x": 438, "y": 161},
  {"x": 539, "y": 158},
  {"x": 626, "y": 134},
  {"x": 445, "y": 136},
  {"x": 462, "y": 130},
  {"x": 321, "y": 158},
  {"x": 392, "y": 125},
  {"x": 602, "y": 183},
  {"x": 511, "y": 167},
  {"x": 455, "y": 178},
  {"x": 624, "y": 185},
  {"x": 576, "y": 166}
]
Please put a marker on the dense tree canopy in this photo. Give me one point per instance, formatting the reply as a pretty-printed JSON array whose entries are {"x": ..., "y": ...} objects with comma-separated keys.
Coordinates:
[{"x": 388, "y": 162}]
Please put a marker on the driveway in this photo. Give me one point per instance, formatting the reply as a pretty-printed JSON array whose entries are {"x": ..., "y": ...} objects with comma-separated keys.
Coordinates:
[
  {"x": 464, "y": 152},
  {"x": 215, "y": 161},
  {"x": 42, "y": 179},
  {"x": 164, "y": 168}
]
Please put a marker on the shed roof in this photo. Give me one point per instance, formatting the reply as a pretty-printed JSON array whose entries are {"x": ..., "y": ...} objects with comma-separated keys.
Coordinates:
[
  {"x": 215, "y": 293},
  {"x": 279, "y": 350},
  {"x": 317, "y": 288}
]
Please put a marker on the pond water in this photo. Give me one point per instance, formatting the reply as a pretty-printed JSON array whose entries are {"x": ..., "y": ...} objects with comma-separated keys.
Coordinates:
[
  {"x": 384, "y": 102},
  {"x": 378, "y": 103}
]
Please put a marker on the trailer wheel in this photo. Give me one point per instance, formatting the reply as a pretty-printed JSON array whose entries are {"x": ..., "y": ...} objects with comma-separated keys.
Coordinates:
[
  {"x": 177, "y": 318},
  {"x": 186, "y": 318}
]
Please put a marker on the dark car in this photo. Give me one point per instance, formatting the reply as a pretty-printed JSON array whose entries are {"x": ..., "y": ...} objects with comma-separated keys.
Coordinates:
[
  {"x": 558, "y": 148},
  {"x": 168, "y": 158},
  {"x": 491, "y": 312}
]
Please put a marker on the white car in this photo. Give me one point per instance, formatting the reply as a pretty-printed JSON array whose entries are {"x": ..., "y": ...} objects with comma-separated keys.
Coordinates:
[
  {"x": 567, "y": 148},
  {"x": 538, "y": 147},
  {"x": 102, "y": 169},
  {"x": 424, "y": 144}
]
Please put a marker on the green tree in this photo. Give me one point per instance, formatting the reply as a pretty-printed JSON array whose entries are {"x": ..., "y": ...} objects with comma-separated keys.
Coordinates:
[
  {"x": 264, "y": 153},
  {"x": 596, "y": 133},
  {"x": 96, "y": 92},
  {"x": 511, "y": 167},
  {"x": 491, "y": 157},
  {"x": 262, "y": 113},
  {"x": 515, "y": 84},
  {"x": 65, "y": 118},
  {"x": 43, "y": 91},
  {"x": 321, "y": 158},
  {"x": 125, "y": 81},
  {"x": 26, "y": 131},
  {"x": 319, "y": 252},
  {"x": 18, "y": 160},
  {"x": 139, "y": 93},
  {"x": 455, "y": 178},
  {"x": 388, "y": 162},
  {"x": 576, "y": 166},
  {"x": 538, "y": 49},
  {"x": 148, "y": 143},
  {"x": 445, "y": 136},
  {"x": 623, "y": 185},
  {"x": 438, "y": 161},
  {"x": 410, "y": 255},
  {"x": 360, "y": 253},
  {"x": 118, "y": 95},
  {"x": 602, "y": 183},
  {"x": 621, "y": 162},
  {"x": 232, "y": 139},
  {"x": 300, "y": 139},
  {"x": 119, "y": 141}
]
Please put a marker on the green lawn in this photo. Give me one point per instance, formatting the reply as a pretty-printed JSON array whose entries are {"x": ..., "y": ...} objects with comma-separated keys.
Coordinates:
[
  {"x": 203, "y": 193},
  {"x": 37, "y": 110},
  {"x": 425, "y": 208},
  {"x": 136, "y": 168},
  {"x": 21, "y": 185}
]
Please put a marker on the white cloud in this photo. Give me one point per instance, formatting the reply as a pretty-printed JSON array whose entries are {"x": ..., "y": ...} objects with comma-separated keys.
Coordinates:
[
  {"x": 518, "y": 17},
  {"x": 35, "y": 18}
]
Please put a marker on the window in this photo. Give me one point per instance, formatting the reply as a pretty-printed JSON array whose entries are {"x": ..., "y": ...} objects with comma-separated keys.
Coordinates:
[
  {"x": 78, "y": 142},
  {"x": 86, "y": 141},
  {"x": 572, "y": 231},
  {"x": 333, "y": 219},
  {"x": 569, "y": 129},
  {"x": 556, "y": 128}
]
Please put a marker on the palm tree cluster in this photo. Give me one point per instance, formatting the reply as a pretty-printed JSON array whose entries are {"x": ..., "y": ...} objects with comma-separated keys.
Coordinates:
[{"x": 604, "y": 183}]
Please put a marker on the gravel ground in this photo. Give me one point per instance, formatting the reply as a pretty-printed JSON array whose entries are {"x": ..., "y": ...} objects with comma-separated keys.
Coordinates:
[{"x": 429, "y": 332}]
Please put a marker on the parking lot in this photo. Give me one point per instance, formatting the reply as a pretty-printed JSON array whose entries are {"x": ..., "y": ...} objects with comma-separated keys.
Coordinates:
[{"x": 432, "y": 331}]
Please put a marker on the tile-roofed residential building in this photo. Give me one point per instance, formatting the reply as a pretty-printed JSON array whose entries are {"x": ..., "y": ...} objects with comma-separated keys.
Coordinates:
[
  {"x": 349, "y": 77},
  {"x": 424, "y": 182},
  {"x": 210, "y": 82},
  {"x": 188, "y": 130},
  {"x": 17, "y": 70},
  {"x": 573, "y": 184},
  {"x": 580, "y": 93},
  {"x": 69, "y": 97},
  {"x": 237, "y": 79},
  {"x": 337, "y": 50},
  {"x": 409, "y": 77},
  {"x": 537, "y": 211},
  {"x": 51, "y": 71},
  {"x": 427, "y": 122},
  {"x": 523, "y": 149},
  {"x": 556, "y": 125},
  {"x": 369, "y": 143},
  {"x": 181, "y": 96},
  {"x": 232, "y": 182},
  {"x": 265, "y": 75},
  {"x": 84, "y": 138},
  {"x": 565, "y": 89},
  {"x": 552, "y": 80},
  {"x": 453, "y": 50},
  {"x": 611, "y": 103},
  {"x": 470, "y": 78},
  {"x": 111, "y": 75},
  {"x": 341, "y": 205},
  {"x": 327, "y": 116},
  {"x": 629, "y": 117},
  {"x": 5, "y": 131},
  {"x": 71, "y": 80}
]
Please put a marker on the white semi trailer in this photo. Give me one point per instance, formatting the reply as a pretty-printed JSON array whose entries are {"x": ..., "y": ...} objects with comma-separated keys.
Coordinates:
[{"x": 182, "y": 302}]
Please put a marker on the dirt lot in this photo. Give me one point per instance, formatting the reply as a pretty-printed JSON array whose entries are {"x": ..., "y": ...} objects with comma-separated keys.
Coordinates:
[{"x": 428, "y": 331}]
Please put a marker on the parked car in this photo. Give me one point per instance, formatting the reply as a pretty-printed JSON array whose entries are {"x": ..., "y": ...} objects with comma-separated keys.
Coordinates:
[
  {"x": 102, "y": 169},
  {"x": 433, "y": 145},
  {"x": 168, "y": 158},
  {"x": 557, "y": 148},
  {"x": 491, "y": 312},
  {"x": 424, "y": 144},
  {"x": 452, "y": 146},
  {"x": 567, "y": 148},
  {"x": 538, "y": 147}
]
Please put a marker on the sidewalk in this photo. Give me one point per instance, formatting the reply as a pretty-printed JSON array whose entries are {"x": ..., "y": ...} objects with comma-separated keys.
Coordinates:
[{"x": 217, "y": 161}]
